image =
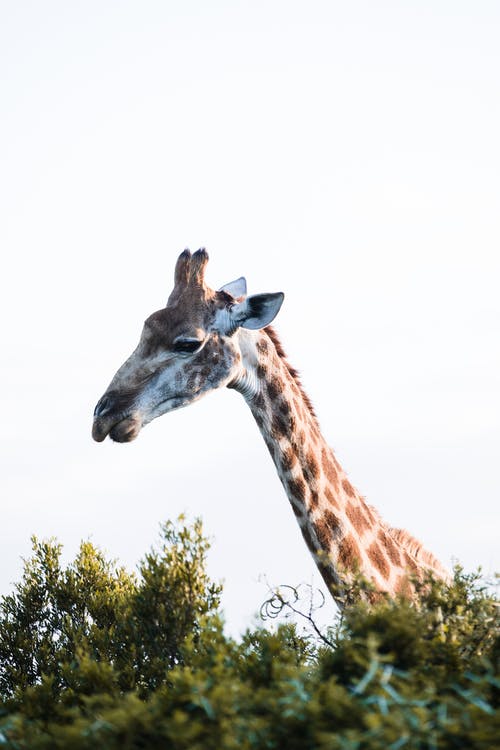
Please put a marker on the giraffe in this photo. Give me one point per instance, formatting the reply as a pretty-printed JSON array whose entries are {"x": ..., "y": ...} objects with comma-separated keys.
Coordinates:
[{"x": 204, "y": 340}]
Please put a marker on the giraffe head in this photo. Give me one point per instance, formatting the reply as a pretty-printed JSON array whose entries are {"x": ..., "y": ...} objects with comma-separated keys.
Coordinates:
[{"x": 190, "y": 347}]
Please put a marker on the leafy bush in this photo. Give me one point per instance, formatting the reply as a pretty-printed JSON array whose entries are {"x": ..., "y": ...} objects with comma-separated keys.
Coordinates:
[
  {"x": 93, "y": 626},
  {"x": 91, "y": 656}
]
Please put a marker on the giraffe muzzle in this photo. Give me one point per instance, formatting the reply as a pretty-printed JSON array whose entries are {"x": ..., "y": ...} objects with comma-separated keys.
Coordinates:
[{"x": 111, "y": 419}]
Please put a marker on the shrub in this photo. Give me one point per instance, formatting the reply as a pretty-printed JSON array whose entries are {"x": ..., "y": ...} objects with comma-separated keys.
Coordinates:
[
  {"x": 112, "y": 661},
  {"x": 92, "y": 626}
]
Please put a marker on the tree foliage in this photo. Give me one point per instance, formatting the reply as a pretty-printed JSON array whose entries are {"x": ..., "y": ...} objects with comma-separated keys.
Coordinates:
[
  {"x": 130, "y": 628},
  {"x": 91, "y": 656}
]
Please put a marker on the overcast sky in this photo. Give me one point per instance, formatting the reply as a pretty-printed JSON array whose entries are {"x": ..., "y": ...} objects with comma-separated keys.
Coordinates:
[{"x": 346, "y": 154}]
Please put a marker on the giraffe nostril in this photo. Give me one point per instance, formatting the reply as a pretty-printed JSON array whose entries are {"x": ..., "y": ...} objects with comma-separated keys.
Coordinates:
[{"x": 103, "y": 406}]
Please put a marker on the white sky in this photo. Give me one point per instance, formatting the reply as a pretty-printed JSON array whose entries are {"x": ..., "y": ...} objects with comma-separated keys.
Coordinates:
[{"x": 344, "y": 153}]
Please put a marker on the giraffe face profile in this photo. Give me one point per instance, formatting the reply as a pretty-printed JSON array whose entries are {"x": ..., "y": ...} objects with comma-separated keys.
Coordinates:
[{"x": 190, "y": 347}]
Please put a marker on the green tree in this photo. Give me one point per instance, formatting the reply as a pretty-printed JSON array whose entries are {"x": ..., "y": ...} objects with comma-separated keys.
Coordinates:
[
  {"x": 92, "y": 625},
  {"x": 91, "y": 656}
]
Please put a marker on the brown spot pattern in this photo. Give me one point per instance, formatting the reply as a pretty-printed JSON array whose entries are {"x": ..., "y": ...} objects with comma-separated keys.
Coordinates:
[
  {"x": 332, "y": 520},
  {"x": 288, "y": 459},
  {"x": 323, "y": 534},
  {"x": 392, "y": 551},
  {"x": 262, "y": 346},
  {"x": 348, "y": 488},
  {"x": 297, "y": 488},
  {"x": 357, "y": 517},
  {"x": 312, "y": 466},
  {"x": 378, "y": 559},
  {"x": 349, "y": 553},
  {"x": 313, "y": 499},
  {"x": 279, "y": 426},
  {"x": 285, "y": 408},
  {"x": 329, "y": 469},
  {"x": 274, "y": 388}
]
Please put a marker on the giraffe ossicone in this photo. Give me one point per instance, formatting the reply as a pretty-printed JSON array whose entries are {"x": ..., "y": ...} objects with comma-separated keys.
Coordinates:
[{"x": 206, "y": 339}]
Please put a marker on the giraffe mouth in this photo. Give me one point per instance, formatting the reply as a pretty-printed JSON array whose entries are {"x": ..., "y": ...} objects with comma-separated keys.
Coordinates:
[
  {"x": 125, "y": 426},
  {"x": 123, "y": 430}
]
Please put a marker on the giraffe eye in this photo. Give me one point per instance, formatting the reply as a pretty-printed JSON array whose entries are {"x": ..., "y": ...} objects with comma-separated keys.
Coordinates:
[{"x": 186, "y": 346}]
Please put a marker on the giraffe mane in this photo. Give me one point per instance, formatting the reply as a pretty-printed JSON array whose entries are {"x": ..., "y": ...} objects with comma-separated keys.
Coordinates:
[
  {"x": 293, "y": 372},
  {"x": 415, "y": 548}
]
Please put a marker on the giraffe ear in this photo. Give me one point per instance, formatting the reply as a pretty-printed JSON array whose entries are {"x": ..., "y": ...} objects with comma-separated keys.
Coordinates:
[
  {"x": 237, "y": 288},
  {"x": 257, "y": 311}
]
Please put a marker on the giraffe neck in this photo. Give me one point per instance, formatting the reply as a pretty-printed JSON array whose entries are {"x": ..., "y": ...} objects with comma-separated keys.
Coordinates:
[{"x": 342, "y": 532}]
